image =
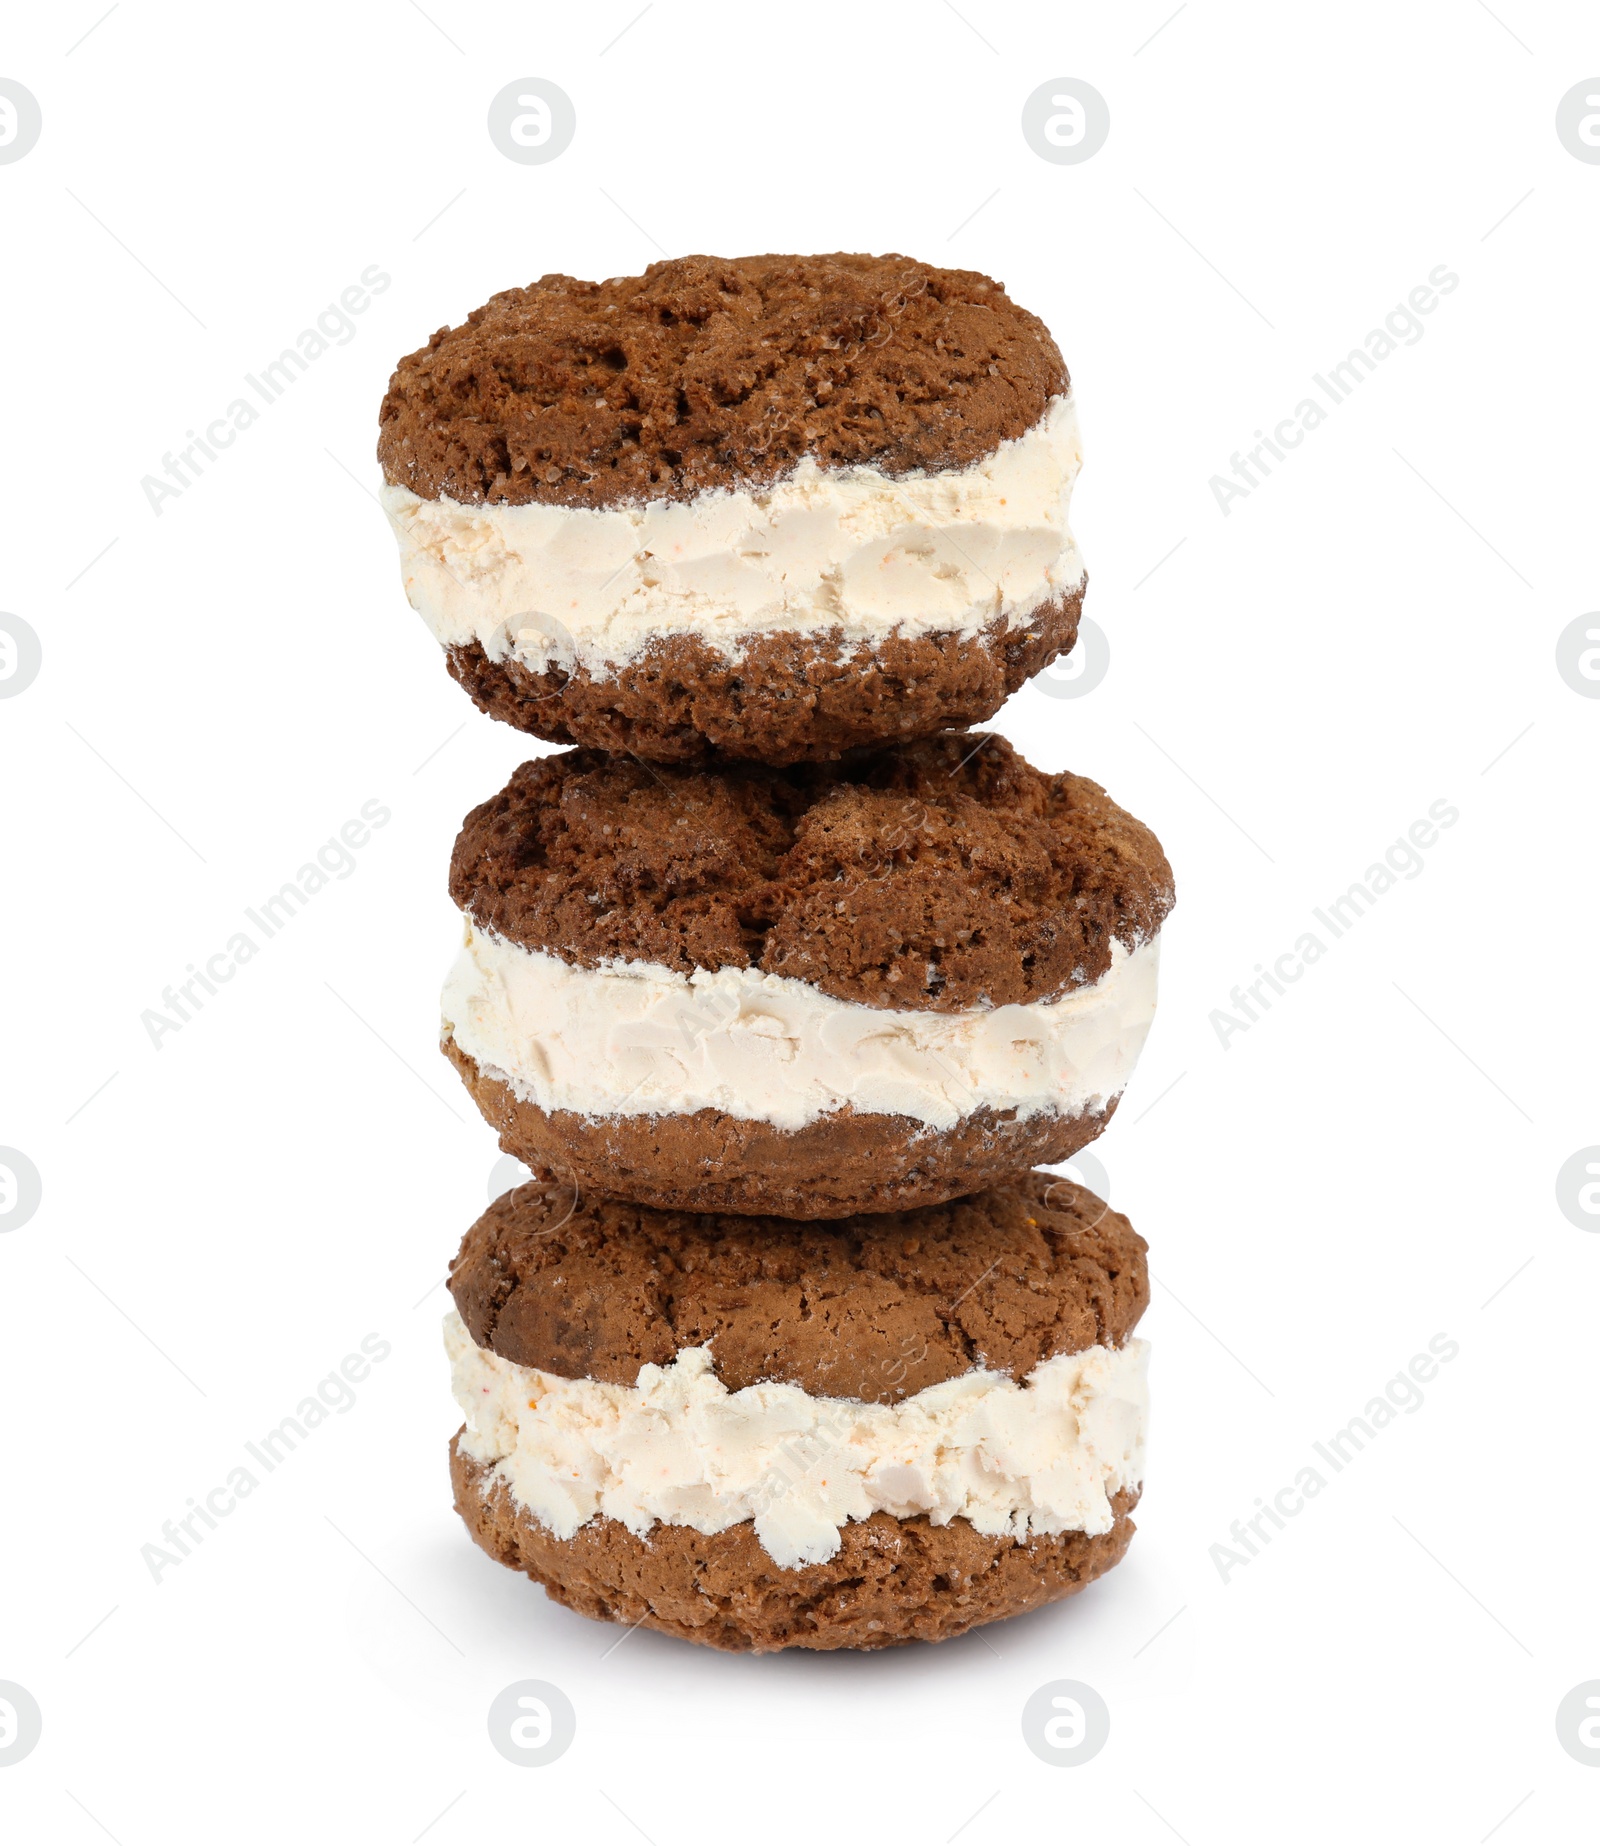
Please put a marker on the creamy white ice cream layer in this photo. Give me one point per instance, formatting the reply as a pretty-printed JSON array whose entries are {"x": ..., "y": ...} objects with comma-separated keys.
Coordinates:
[
  {"x": 849, "y": 551},
  {"x": 636, "y": 1038},
  {"x": 1015, "y": 1458}
]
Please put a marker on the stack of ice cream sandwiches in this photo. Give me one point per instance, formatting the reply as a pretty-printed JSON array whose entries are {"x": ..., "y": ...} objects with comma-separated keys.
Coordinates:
[{"x": 783, "y": 982}]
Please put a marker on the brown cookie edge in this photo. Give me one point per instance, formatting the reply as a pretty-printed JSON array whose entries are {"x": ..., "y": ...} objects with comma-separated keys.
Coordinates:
[
  {"x": 784, "y": 698},
  {"x": 839, "y": 1165},
  {"x": 892, "y": 1581}
]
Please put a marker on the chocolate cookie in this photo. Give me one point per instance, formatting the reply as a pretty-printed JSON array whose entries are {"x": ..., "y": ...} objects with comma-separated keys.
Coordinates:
[
  {"x": 891, "y": 1581},
  {"x": 812, "y": 991},
  {"x": 758, "y": 1434},
  {"x": 875, "y": 1307},
  {"x": 771, "y": 507}
]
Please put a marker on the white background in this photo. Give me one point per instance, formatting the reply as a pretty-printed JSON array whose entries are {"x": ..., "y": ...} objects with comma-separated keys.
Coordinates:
[{"x": 1372, "y": 1163}]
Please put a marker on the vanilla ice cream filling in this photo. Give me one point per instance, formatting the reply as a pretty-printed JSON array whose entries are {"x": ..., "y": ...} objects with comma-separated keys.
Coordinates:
[
  {"x": 1015, "y": 1459},
  {"x": 848, "y": 553},
  {"x": 637, "y": 1038}
]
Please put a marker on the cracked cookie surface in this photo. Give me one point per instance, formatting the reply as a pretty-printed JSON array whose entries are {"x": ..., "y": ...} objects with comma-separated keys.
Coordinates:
[{"x": 875, "y": 1307}]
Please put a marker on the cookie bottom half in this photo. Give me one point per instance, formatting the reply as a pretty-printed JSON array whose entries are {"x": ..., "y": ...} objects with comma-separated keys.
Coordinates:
[
  {"x": 836, "y": 1166},
  {"x": 786, "y": 698},
  {"x": 891, "y": 1581}
]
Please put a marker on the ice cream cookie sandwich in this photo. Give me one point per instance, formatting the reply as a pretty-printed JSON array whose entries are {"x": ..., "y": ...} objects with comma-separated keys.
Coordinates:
[
  {"x": 757, "y": 1434},
  {"x": 811, "y": 991},
  {"x": 768, "y": 507}
]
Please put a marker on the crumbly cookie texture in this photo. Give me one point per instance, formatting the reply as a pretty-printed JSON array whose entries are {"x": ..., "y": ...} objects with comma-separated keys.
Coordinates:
[
  {"x": 892, "y": 1580},
  {"x": 834, "y": 1167},
  {"x": 944, "y": 874},
  {"x": 875, "y": 1307},
  {"x": 787, "y": 698},
  {"x": 710, "y": 372}
]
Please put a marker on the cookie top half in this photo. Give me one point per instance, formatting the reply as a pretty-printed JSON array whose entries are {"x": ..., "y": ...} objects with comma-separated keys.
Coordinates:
[
  {"x": 943, "y": 875},
  {"x": 875, "y": 1308},
  {"x": 713, "y": 372}
]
